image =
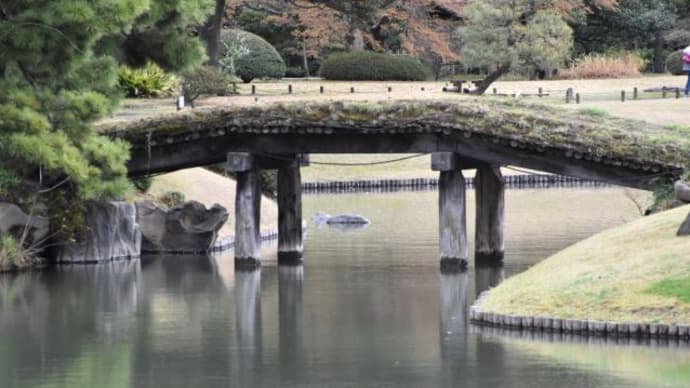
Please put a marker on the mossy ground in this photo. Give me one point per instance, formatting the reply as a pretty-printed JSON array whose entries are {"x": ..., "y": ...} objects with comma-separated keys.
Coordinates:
[{"x": 622, "y": 274}]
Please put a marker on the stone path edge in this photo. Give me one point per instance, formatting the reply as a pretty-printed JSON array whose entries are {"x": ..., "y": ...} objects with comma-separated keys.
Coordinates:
[{"x": 581, "y": 327}]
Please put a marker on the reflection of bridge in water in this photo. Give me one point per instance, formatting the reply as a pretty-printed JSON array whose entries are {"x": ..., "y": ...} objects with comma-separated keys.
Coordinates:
[
  {"x": 194, "y": 321},
  {"x": 459, "y": 137}
]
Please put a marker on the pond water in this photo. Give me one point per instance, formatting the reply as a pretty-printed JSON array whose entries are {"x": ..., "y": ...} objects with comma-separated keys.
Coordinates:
[{"x": 368, "y": 308}]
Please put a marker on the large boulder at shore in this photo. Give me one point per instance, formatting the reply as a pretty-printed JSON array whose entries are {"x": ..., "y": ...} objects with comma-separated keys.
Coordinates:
[
  {"x": 682, "y": 190},
  {"x": 111, "y": 233},
  {"x": 187, "y": 228},
  {"x": 13, "y": 219}
]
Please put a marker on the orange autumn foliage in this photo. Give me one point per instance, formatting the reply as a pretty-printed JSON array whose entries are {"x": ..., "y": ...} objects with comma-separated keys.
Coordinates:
[
  {"x": 423, "y": 28},
  {"x": 315, "y": 26},
  {"x": 421, "y": 33}
]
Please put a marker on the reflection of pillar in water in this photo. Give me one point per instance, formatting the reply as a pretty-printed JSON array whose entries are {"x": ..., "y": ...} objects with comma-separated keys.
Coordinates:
[
  {"x": 453, "y": 327},
  {"x": 248, "y": 320},
  {"x": 488, "y": 276},
  {"x": 290, "y": 279},
  {"x": 453, "y": 302},
  {"x": 490, "y": 355}
]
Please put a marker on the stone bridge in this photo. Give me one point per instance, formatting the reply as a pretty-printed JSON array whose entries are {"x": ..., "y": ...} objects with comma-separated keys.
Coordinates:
[{"x": 474, "y": 134}]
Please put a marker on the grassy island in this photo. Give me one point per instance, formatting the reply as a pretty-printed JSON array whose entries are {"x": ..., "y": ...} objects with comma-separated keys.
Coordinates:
[{"x": 637, "y": 272}]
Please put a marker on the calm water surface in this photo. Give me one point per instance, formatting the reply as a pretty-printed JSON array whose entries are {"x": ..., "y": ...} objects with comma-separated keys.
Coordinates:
[{"x": 368, "y": 308}]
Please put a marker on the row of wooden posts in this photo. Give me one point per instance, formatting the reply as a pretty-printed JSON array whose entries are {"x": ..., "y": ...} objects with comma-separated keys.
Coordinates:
[
  {"x": 570, "y": 96},
  {"x": 322, "y": 89}
]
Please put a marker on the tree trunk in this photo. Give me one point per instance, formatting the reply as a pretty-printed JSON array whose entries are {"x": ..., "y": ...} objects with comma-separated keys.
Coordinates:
[
  {"x": 304, "y": 55},
  {"x": 484, "y": 84},
  {"x": 358, "y": 41},
  {"x": 659, "y": 63},
  {"x": 210, "y": 33}
]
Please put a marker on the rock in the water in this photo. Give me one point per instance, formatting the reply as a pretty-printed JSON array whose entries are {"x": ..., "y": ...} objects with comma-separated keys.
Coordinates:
[
  {"x": 12, "y": 218},
  {"x": 347, "y": 219},
  {"x": 112, "y": 233},
  {"x": 684, "y": 229},
  {"x": 348, "y": 227},
  {"x": 682, "y": 190},
  {"x": 187, "y": 228},
  {"x": 320, "y": 218}
]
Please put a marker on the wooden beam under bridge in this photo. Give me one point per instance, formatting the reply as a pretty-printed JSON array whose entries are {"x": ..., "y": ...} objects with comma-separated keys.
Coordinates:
[{"x": 172, "y": 156}]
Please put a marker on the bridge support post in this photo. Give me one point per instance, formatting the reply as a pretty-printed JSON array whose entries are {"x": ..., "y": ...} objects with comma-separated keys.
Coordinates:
[
  {"x": 452, "y": 221},
  {"x": 490, "y": 191},
  {"x": 290, "y": 248},
  {"x": 247, "y": 210}
]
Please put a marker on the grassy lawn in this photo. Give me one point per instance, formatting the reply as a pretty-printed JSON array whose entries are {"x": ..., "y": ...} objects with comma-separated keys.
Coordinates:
[
  {"x": 678, "y": 288},
  {"x": 274, "y": 91},
  {"x": 637, "y": 272}
]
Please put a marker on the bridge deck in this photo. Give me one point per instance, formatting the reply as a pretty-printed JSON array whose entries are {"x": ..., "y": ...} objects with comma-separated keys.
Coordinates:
[{"x": 586, "y": 145}]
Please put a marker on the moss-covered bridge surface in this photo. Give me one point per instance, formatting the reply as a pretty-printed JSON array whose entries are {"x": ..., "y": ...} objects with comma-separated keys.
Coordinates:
[{"x": 585, "y": 144}]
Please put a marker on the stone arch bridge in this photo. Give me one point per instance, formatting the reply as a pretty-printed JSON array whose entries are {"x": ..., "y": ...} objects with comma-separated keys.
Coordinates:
[{"x": 481, "y": 134}]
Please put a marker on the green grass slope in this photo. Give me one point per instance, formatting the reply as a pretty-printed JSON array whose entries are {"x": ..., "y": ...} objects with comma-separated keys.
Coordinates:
[{"x": 637, "y": 272}]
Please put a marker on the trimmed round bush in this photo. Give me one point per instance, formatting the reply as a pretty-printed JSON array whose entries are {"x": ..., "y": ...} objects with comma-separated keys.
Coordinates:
[
  {"x": 674, "y": 63},
  {"x": 371, "y": 66},
  {"x": 205, "y": 80},
  {"x": 263, "y": 60}
]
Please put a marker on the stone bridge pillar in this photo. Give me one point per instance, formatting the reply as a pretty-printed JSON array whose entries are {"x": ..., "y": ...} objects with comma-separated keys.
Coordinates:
[
  {"x": 490, "y": 188},
  {"x": 247, "y": 209},
  {"x": 452, "y": 213},
  {"x": 246, "y": 168},
  {"x": 290, "y": 215}
]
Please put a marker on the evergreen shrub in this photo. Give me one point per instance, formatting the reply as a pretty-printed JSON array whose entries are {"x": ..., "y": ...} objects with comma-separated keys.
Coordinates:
[
  {"x": 674, "y": 63},
  {"x": 143, "y": 184},
  {"x": 205, "y": 80},
  {"x": 371, "y": 66},
  {"x": 172, "y": 199},
  {"x": 263, "y": 60},
  {"x": 148, "y": 81}
]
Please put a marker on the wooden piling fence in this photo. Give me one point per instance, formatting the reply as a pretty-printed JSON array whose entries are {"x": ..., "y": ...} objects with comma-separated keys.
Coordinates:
[
  {"x": 418, "y": 184},
  {"x": 584, "y": 327}
]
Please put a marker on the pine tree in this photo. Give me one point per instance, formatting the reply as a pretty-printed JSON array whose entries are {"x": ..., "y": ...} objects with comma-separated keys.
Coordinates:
[
  {"x": 55, "y": 85},
  {"x": 162, "y": 35},
  {"x": 513, "y": 34}
]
